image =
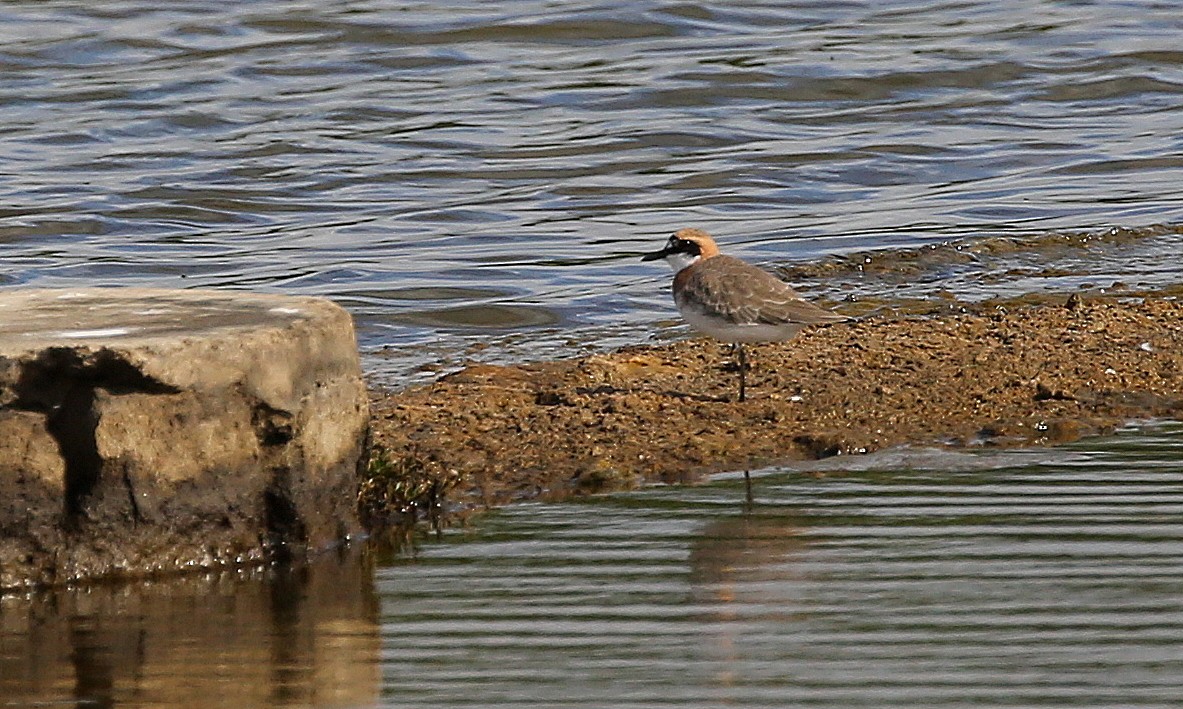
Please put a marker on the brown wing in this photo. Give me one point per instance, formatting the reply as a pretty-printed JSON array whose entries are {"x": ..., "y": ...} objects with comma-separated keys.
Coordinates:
[{"x": 745, "y": 294}]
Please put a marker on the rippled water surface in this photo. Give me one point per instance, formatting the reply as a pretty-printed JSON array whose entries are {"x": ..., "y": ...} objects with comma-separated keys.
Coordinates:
[
  {"x": 464, "y": 173},
  {"x": 1019, "y": 579},
  {"x": 478, "y": 179},
  {"x": 904, "y": 579}
]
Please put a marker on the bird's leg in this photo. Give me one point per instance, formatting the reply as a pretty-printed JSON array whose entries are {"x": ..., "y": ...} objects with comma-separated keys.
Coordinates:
[{"x": 743, "y": 366}]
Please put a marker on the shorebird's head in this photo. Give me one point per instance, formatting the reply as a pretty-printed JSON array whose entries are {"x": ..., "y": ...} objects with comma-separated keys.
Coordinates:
[{"x": 684, "y": 248}]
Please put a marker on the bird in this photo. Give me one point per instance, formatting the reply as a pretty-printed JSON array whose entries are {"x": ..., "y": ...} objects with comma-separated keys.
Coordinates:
[{"x": 732, "y": 300}]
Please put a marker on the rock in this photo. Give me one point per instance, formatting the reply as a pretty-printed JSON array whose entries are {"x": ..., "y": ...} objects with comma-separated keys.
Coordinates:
[{"x": 152, "y": 430}]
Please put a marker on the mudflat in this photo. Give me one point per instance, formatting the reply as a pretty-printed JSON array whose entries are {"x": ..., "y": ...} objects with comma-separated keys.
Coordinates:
[{"x": 1036, "y": 375}]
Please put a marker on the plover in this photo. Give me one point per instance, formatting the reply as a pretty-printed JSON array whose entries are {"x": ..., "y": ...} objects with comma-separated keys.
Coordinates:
[{"x": 731, "y": 300}]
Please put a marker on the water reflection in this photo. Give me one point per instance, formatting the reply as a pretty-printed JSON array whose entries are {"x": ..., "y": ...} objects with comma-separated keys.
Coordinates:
[
  {"x": 274, "y": 638},
  {"x": 913, "y": 578},
  {"x": 910, "y": 578},
  {"x": 737, "y": 563},
  {"x": 743, "y": 550}
]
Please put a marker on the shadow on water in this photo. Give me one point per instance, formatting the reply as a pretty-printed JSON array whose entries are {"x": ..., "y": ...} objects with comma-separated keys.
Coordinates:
[{"x": 305, "y": 636}]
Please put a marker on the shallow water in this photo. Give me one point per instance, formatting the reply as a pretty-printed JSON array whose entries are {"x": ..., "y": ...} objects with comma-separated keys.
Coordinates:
[
  {"x": 466, "y": 174},
  {"x": 1012, "y": 579},
  {"x": 909, "y": 578},
  {"x": 477, "y": 180}
]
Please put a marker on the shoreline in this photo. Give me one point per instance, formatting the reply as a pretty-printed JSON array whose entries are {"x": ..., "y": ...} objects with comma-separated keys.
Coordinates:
[{"x": 1034, "y": 376}]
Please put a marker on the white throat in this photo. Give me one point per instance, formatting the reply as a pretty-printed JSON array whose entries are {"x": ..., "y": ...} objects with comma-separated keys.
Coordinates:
[{"x": 681, "y": 260}]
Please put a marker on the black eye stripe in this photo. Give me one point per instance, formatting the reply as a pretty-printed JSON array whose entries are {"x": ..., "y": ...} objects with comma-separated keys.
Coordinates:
[{"x": 677, "y": 245}]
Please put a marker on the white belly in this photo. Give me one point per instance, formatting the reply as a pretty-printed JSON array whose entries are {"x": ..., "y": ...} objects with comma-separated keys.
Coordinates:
[{"x": 720, "y": 329}]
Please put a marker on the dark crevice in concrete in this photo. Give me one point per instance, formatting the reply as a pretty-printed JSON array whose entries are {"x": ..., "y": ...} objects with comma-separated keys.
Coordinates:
[
  {"x": 45, "y": 381},
  {"x": 136, "y": 515},
  {"x": 61, "y": 383},
  {"x": 284, "y": 524},
  {"x": 72, "y": 425},
  {"x": 273, "y": 427}
]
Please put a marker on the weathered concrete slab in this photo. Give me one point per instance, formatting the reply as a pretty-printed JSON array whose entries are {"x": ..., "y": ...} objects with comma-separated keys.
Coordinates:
[{"x": 151, "y": 430}]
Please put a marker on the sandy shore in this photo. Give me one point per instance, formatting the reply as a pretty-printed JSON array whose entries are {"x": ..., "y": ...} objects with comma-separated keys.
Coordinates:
[{"x": 1032, "y": 376}]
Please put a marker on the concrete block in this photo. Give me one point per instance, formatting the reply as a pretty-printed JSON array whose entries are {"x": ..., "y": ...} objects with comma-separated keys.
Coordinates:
[{"x": 148, "y": 430}]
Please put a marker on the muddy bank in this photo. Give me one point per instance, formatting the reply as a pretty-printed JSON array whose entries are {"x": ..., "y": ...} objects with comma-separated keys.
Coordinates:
[{"x": 1033, "y": 376}]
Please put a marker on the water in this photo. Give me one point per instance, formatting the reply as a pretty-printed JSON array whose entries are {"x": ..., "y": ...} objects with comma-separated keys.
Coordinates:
[
  {"x": 253, "y": 638},
  {"x": 1005, "y": 581},
  {"x": 909, "y": 578},
  {"x": 466, "y": 174},
  {"x": 477, "y": 180}
]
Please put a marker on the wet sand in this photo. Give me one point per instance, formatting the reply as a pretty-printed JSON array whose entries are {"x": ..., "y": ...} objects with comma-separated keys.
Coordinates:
[{"x": 1035, "y": 375}]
